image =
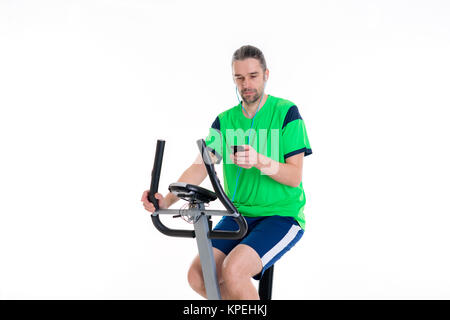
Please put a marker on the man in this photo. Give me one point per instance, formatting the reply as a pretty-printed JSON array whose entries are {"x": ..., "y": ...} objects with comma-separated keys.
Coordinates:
[{"x": 266, "y": 189}]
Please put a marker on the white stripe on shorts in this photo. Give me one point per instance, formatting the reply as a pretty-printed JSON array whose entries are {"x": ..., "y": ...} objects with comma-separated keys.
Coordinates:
[{"x": 290, "y": 235}]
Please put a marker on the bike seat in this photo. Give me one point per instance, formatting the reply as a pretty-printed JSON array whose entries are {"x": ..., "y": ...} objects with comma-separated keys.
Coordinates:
[{"x": 191, "y": 192}]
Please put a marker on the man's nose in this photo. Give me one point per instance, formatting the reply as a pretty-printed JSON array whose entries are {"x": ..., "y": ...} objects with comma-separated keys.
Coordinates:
[{"x": 245, "y": 84}]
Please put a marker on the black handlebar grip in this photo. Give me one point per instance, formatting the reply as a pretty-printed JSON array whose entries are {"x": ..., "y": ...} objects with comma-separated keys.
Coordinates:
[{"x": 156, "y": 173}]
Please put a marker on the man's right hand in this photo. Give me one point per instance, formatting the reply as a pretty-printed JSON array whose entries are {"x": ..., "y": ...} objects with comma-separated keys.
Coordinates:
[{"x": 162, "y": 202}]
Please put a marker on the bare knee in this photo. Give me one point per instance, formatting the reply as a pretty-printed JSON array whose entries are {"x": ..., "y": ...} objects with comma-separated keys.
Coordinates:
[
  {"x": 195, "y": 274},
  {"x": 240, "y": 265},
  {"x": 195, "y": 277},
  {"x": 232, "y": 273}
]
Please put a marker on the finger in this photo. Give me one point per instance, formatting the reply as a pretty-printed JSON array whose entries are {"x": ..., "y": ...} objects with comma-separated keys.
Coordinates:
[
  {"x": 242, "y": 158},
  {"x": 146, "y": 202},
  {"x": 144, "y": 195},
  {"x": 242, "y": 153},
  {"x": 149, "y": 205}
]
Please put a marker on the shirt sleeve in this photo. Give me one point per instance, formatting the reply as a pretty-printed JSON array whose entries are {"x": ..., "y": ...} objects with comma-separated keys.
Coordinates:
[
  {"x": 214, "y": 140},
  {"x": 294, "y": 135}
]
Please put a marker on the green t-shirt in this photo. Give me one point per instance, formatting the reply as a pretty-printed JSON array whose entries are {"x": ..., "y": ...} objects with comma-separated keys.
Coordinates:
[{"x": 278, "y": 132}]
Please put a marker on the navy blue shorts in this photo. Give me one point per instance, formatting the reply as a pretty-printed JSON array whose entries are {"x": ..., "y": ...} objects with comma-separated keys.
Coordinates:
[{"x": 271, "y": 237}]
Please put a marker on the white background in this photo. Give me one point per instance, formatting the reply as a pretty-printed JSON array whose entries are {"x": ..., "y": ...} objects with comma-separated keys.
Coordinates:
[{"x": 87, "y": 87}]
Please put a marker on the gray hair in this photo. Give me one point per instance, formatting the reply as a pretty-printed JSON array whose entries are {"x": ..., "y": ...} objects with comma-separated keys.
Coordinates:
[{"x": 249, "y": 51}]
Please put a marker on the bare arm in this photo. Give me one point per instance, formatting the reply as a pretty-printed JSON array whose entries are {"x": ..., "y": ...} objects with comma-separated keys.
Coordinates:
[
  {"x": 195, "y": 174},
  {"x": 289, "y": 173}
]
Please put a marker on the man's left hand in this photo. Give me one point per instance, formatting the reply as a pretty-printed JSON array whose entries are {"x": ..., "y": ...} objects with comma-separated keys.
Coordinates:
[{"x": 245, "y": 159}]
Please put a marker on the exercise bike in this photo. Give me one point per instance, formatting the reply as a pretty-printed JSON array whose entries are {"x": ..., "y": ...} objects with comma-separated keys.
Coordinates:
[{"x": 201, "y": 218}]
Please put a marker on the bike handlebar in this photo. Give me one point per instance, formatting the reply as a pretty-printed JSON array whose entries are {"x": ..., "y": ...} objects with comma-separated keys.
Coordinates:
[
  {"x": 231, "y": 209},
  {"x": 156, "y": 173}
]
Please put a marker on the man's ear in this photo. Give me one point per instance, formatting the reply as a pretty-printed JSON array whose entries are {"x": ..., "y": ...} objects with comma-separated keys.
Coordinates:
[{"x": 266, "y": 75}]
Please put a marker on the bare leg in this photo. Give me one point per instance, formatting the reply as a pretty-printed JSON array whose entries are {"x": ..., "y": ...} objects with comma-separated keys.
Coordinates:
[
  {"x": 195, "y": 275},
  {"x": 241, "y": 264}
]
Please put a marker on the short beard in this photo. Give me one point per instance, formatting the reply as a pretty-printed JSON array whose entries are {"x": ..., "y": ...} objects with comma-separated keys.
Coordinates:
[{"x": 252, "y": 100}]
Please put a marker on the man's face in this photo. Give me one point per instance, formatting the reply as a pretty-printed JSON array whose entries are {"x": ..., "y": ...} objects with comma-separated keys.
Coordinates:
[{"x": 249, "y": 78}]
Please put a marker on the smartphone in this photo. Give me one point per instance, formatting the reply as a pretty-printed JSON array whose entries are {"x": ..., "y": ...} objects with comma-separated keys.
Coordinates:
[{"x": 237, "y": 148}]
